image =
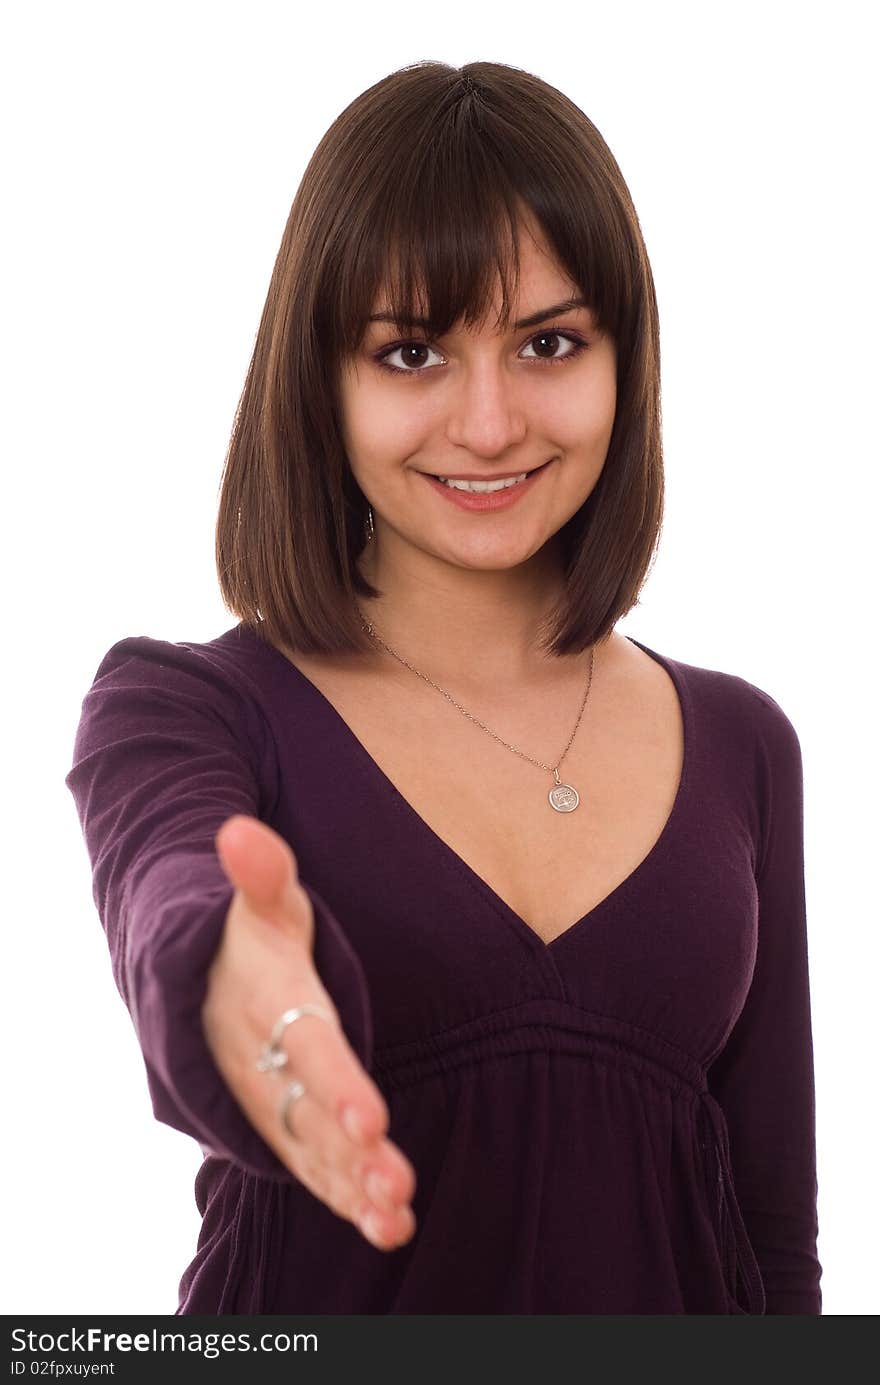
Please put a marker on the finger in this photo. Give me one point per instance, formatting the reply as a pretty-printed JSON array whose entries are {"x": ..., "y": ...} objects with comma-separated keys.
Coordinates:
[
  {"x": 344, "y": 1176},
  {"x": 382, "y": 1231},
  {"x": 381, "y": 1171},
  {"x": 260, "y": 864},
  {"x": 321, "y": 1057},
  {"x": 336, "y": 1083}
]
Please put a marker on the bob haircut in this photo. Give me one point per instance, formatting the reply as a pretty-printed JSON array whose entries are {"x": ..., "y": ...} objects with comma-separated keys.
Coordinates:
[{"x": 417, "y": 189}]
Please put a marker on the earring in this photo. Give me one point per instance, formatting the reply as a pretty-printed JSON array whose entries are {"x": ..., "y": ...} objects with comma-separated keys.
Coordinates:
[{"x": 370, "y": 528}]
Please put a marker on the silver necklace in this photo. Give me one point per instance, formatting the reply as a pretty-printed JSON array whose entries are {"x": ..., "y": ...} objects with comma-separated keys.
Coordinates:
[{"x": 563, "y": 797}]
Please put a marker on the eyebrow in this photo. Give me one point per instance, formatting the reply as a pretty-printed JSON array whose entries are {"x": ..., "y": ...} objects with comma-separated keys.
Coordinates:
[{"x": 531, "y": 321}]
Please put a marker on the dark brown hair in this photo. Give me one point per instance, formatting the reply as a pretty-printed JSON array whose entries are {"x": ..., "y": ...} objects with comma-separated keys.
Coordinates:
[{"x": 419, "y": 186}]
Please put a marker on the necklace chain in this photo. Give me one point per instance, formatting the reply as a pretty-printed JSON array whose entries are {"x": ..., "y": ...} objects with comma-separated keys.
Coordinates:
[{"x": 551, "y": 769}]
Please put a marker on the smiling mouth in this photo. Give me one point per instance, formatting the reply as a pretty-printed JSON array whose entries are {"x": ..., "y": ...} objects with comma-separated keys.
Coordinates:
[{"x": 487, "y": 484}]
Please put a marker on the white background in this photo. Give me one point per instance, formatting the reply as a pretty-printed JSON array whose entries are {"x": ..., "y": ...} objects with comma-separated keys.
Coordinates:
[{"x": 151, "y": 156}]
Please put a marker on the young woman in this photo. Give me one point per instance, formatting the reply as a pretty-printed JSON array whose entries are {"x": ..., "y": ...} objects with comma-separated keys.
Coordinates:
[{"x": 422, "y": 840}]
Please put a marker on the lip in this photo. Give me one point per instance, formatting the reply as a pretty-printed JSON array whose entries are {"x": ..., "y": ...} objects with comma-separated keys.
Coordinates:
[{"x": 488, "y": 500}]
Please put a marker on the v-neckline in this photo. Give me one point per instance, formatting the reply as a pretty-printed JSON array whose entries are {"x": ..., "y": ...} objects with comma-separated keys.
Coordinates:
[{"x": 482, "y": 886}]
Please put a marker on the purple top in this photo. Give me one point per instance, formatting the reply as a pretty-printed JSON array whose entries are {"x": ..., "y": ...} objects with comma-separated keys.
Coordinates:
[{"x": 619, "y": 1122}]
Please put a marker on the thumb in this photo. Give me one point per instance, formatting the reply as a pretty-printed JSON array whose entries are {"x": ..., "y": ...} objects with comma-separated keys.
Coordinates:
[{"x": 259, "y": 863}]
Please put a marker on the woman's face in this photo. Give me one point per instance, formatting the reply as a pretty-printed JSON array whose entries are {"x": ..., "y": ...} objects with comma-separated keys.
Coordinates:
[{"x": 481, "y": 404}]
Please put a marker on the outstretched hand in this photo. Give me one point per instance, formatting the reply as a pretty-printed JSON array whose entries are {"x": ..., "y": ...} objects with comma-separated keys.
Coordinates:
[{"x": 264, "y": 966}]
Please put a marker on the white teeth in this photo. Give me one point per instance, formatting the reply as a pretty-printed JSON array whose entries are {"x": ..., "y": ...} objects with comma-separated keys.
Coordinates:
[{"x": 483, "y": 487}]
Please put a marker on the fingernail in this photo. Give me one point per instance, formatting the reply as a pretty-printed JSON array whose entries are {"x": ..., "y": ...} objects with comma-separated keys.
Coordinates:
[
  {"x": 352, "y": 1124},
  {"x": 371, "y": 1226}
]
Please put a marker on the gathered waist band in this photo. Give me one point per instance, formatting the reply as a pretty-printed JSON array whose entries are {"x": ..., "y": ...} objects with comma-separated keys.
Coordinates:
[
  {"x": 558, "y": 1026},
  {"x": 551, "y": 1024}
]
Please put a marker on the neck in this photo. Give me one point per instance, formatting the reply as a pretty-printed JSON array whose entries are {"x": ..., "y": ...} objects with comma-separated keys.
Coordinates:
[{"x": 478, "y": 628}]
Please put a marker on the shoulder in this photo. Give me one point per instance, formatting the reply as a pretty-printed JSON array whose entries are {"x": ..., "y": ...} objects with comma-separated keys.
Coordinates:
[
  {"x": 226, "y": 666},
  {"x": 186, "y": 687},
  {"x": 734, "y": 707}
]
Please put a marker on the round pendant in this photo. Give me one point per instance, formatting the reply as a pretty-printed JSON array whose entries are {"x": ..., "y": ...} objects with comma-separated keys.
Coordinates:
[{"x": 563, "y": 798}]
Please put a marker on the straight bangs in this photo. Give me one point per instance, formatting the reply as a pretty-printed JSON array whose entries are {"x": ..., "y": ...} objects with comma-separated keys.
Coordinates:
[
  {"x": 412, "y": 205},
  {"x": 440, "y": 228}
]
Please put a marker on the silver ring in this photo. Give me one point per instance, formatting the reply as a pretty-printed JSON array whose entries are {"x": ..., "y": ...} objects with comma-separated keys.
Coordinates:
[
  {"x": 294, "y": 1091},
  {"x": 273, "y": 1056}
]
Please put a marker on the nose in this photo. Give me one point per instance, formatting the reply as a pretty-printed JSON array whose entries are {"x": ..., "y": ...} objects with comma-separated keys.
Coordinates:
[{"x": 485, "y": 417}]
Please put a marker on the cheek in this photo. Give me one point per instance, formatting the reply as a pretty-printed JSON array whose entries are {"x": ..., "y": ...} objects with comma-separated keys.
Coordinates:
[
  {"x": 576, "y": 430},
  {"x": 381, "y": 429},
  {"x": 584, "y": 419}
]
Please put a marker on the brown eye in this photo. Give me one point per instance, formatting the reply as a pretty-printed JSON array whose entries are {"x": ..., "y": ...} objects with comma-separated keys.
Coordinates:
[
  {"x": 411, "y": 353},
  {"x": 548, "y": 343}
]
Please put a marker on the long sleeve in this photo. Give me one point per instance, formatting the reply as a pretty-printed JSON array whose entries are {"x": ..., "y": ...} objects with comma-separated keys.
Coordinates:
[
  {"x": 764, "y": 1078},
  {"x": 169, "y": 745}
]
